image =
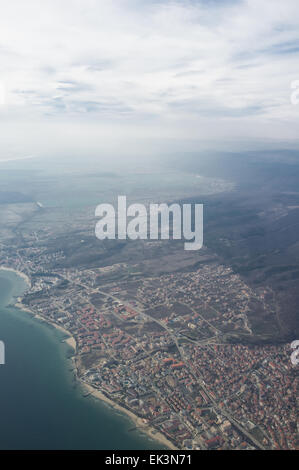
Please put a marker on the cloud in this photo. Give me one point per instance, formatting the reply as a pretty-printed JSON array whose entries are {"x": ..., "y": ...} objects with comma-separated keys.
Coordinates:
[{"x": 208, "y": 69}]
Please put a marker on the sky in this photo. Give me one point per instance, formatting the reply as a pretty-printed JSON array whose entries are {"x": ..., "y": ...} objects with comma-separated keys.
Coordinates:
[{"x": 140, "y": 76}]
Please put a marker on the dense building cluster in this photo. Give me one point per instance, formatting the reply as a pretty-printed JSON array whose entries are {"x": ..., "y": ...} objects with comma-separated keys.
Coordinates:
[{"x": 169, "y": 348}]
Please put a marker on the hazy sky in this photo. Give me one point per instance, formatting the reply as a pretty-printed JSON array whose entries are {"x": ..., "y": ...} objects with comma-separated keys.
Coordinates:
[{"x": 122, "y": 76}]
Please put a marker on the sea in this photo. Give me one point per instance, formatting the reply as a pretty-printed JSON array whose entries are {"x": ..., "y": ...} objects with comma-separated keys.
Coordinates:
[{"x": 41, "y": 404}]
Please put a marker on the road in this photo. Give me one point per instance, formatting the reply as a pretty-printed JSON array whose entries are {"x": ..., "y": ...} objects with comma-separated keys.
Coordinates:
[{"x": 183, "y": 357}]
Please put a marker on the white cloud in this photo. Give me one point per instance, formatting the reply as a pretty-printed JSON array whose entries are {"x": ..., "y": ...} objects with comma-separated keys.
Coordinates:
[{"x": 98, "y": 72}]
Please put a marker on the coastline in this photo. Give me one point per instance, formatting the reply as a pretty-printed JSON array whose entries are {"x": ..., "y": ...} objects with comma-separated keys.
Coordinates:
[
  {"x": 19, "y": 273},
  {"x": 70, "y": 340},
  {"x": 137, "y": 421}
]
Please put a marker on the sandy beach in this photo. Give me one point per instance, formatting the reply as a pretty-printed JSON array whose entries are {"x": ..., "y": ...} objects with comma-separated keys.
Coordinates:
[
  {"x": 70, "y": 340},
  {"x": 19, "y": 273},
  {"x": 138, "y": 422}
]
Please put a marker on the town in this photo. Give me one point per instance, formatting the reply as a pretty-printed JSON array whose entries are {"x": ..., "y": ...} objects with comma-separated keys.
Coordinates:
[{"x": 174, "y": 349}]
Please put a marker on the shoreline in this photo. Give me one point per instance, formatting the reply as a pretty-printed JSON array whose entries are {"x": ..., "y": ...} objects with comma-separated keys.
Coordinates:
[
  {"x": 19, "y": 273},
  {"x": 70, "y": 340},
  {"x": 144, "y": 428},
  {"x": 18, "y": 304}
]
